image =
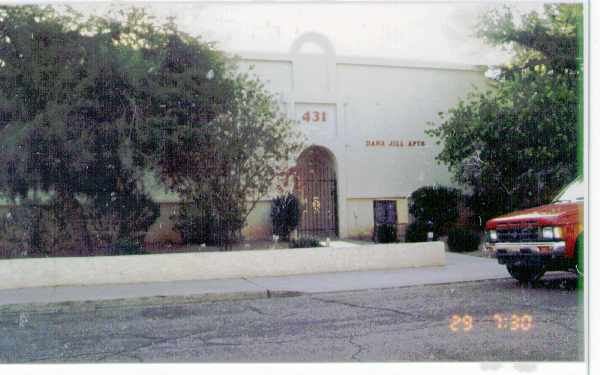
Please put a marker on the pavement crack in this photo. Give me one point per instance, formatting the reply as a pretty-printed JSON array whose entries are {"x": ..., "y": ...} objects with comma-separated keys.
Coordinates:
[
  {"x": 369, "y": 307},
  {"x": 568, "y": 328},
  {"x": 68, "y": 356},
  {"x": 351, "y": 338},
  {"x": 361, "y": 348},
  {"x": 211, "y": 343},
  {"x": 279, "y": 342},
  {"x": 132, "y": 356},
  {"x": 151, "y": 343},
  {"x": 256, "y": 310}
]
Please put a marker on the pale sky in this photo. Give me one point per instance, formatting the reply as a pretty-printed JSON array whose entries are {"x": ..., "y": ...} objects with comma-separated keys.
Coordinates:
[{"x": 435, "y": 32}]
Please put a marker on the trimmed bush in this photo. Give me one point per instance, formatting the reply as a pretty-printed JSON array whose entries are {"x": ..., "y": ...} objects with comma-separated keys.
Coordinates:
[
  {"x": 77, "y": 228},
  {"x": 386, "y": 233},
  {"x": 437, "y": 204},
  {"x": 285, "y": 214},
  {"x": 417, "y": 232},
  {"x": 120, "y": 217},
  {"x": 463, "y": 240},
  {"x": 197, "y": 224},
  {"x": 21, "y": 231},
  {"x": 304, "y": 242}
]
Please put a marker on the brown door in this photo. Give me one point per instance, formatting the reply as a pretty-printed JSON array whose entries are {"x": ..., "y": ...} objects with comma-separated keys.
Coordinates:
[{"x": 316, "y": 190}]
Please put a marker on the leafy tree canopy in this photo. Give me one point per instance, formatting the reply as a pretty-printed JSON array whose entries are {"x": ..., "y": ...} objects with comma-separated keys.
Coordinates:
[
  {"x": 515, "y": 145},
  {"x": 90, "y": 104},
  {"x": 548, "y": 40},
  {"x": 76, "y": 92},
  {"x": 229, "y": 165}
]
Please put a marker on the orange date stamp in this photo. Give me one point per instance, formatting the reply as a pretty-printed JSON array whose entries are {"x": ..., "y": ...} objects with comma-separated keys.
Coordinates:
[{"x": 508, "y": 322}]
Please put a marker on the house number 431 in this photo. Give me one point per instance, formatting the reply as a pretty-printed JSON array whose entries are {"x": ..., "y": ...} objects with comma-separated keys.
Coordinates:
[{"x": 314, "y": 116}]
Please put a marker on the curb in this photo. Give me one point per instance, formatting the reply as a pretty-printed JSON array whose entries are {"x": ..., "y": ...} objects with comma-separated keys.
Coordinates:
[{"x": 62, "y": 306}]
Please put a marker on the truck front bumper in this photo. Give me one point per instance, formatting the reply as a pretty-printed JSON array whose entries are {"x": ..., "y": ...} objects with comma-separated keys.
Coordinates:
[{"x": 533, "y": 254}]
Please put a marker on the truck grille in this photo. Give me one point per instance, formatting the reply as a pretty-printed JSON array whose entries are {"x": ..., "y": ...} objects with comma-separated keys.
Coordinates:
[{"x": 518, "y": 234}]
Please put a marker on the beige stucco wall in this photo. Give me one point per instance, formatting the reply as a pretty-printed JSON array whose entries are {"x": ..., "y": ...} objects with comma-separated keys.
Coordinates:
[
  {"x": 275, "y": 75},
  {"x": 359, "y": 220},
  {"x": 40, "y": 272},
  {"x": 259, "y": 225},
  {"x": 360, "y": 217},
  {"x": 364, "y": 100},
  {"x": 367, "y": 100},
  {"x": 395, "y": 104}
]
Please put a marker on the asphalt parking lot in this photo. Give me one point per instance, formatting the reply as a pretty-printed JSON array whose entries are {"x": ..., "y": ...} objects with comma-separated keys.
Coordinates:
[{"x": 496, "y": 320}]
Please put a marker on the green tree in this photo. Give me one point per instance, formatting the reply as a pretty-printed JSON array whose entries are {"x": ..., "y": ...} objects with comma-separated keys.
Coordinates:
[
  {"x": 88, "y": 105},
  {"x": 82, "y": 98},
  {"x": 229, "y": 165},
  {"x": 515, "y": 145}
]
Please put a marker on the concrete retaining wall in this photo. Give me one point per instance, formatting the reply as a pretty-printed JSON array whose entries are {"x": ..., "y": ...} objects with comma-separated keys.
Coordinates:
[{"x": 24, "y": 273}]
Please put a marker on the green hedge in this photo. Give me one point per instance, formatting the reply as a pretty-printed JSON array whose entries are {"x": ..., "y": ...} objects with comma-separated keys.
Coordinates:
[
  {"x": 436, "y": 204},
  {"x": 463, "y": 240},
  {"x": 386, "y": 233},
  {"x": 417, "y": 232}
]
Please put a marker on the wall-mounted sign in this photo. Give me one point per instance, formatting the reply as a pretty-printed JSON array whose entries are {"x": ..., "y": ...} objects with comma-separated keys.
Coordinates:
[
  {"x": 394, "y": 143},
  {"x": 314, "y": 116},
  {"x": 316, "y": 119}
]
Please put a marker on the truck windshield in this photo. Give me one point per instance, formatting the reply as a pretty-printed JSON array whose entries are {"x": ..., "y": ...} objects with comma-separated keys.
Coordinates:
[{"x": 574, "y": 192}]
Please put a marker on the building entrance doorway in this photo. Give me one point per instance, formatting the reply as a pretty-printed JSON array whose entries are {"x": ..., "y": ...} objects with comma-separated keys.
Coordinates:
[{"x": 316, "y": 188}]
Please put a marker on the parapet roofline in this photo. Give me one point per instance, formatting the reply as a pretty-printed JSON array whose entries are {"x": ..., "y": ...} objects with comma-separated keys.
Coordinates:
[{"x": 363, "y": 61}]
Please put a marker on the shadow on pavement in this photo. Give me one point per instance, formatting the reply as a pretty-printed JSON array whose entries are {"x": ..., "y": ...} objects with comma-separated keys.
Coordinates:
[{"x": 556, "y": 281}]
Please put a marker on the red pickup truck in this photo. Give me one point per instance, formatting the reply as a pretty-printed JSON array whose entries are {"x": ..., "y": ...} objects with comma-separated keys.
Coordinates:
[{"x": 547, "y": 238}]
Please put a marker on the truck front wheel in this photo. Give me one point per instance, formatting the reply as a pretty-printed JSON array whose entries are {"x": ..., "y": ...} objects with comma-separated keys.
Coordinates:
[{"x": 525, "y": 274}]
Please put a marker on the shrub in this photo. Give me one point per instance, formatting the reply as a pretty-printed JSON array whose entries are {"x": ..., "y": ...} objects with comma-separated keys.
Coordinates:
[
  {"x": 285, "y": 214},
  {"x": 304, "y": 242},
  {"x": 119, "y": 217},
  {"x": 196, "y": 224},
  {"x": 51, "y": 229},
  {"x": 386, "y": 233},
  {"x": 417, "y": 232},
  {"x": 20, "y": 231},
  {"x": 200, "y": 222},
  {"x": 463, "y": 240},
  {"x": 438, "y": 204}
]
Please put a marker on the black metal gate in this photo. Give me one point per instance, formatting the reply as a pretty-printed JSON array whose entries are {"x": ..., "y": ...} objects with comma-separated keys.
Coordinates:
[{"x": 317, "y": 191}]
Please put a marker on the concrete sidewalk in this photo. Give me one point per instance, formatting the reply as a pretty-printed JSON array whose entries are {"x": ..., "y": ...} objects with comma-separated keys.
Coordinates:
[{"x": 458, "y": 268}]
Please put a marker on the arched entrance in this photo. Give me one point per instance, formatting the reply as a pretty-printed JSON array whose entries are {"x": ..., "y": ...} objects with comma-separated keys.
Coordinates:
[{"x": 316, "y": 188}]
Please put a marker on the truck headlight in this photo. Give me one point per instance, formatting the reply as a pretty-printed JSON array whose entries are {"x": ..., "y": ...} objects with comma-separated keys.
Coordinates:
[
  {"x": 493, "y": 236},
  {"x": 548, "y": 233},
  {"x": 558, "y": 233}
]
